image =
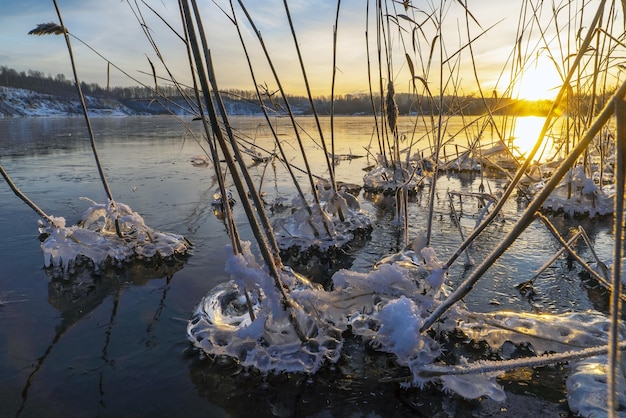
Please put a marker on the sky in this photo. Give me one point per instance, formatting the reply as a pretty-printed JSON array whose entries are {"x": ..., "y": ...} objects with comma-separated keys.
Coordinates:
[{"x": 111, "y": 28}]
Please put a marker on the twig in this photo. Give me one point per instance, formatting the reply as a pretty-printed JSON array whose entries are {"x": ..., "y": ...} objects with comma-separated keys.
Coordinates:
[{"x": 25, "y": 199}]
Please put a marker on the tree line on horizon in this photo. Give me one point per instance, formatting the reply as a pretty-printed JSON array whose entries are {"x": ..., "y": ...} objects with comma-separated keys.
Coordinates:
[{"x": 348, "y": 104}]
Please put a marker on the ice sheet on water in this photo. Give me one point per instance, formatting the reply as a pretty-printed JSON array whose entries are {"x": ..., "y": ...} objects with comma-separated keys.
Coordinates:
[
  {"x": 331, "y": 224},
  {"x": 587, "y": 387},
  {"x": 109, "y": 232}
]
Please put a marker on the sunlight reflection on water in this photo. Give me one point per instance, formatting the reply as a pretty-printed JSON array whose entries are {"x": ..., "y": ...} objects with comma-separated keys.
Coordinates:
[{"x": 526, "y": 134}]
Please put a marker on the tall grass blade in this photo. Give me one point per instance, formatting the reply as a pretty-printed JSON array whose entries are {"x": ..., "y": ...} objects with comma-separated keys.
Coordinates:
[{"x": 614, "y": 366}]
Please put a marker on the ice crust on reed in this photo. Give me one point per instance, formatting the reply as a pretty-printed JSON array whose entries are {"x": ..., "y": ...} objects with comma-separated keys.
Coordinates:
[
  {"x": 333, "y": 223},
  {"x": 585, "y": 197},
  {"x": 106, "y": 233},
  {"x": 389, "y": 178},
  {"x": 384, "y": 307}
]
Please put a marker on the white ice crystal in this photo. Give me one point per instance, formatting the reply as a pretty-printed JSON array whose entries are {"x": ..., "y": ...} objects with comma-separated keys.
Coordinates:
[
  {"x": 106, "y": 233},
  {"x": 333, "y": 223},
  {"x": 388, "y": 179},
  {"x": 577, "y": 194}
]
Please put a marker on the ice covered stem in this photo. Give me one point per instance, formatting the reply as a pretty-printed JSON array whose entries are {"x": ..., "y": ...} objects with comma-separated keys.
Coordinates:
[
  {"x": 616, "y": 279},
  {"x": 499, "y": 366},
  {"x": 199, "y": 48},
  {"x": 51, "y": 28},
  {"x": 473, "y": 380}
]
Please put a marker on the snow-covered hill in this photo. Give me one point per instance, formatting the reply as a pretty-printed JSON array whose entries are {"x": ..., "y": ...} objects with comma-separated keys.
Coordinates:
[{"x": 21, "y": 102}]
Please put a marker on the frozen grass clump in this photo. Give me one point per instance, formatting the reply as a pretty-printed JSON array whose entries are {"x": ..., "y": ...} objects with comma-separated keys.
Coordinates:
[
  {"x": 578, "y": 194},
  {"x": 388, "y": 179},
  {"x": 333, "y": 224},
  {"x": 106, "y": 233},
  {"x": 384, "y": 307}
]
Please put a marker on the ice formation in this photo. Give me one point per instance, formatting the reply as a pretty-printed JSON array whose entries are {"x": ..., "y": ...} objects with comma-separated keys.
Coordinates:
[
  {"x": 587, "y": 384},
  {"x": 578, "y": 194},
  {"x": 222, "y": 324},
  {"x": 331, "y": 225},
  {"x": 388, "y": 179},
  {"x": 571, "y": 332},
  {"x": 106, "y": 233},
  {"x": 384, "y": 307}
]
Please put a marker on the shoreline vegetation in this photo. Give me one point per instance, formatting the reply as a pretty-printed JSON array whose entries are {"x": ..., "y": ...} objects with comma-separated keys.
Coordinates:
[{"x": 142, "y": 100}]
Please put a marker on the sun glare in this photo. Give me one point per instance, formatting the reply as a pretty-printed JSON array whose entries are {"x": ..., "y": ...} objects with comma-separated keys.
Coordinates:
[
  {"x": 540, "y": 81},
  {"x": 526, "y": 132}
]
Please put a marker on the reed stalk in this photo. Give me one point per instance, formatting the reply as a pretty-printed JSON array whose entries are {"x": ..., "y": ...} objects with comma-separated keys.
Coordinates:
[
  {"x": 499, "y": 366},
  {"x": 252, "y": 192},
  {"x": 602, "y": 279},
  {"x": 277, "y": 142},
  {"x": 457, "y": 222},
  {"x": 231, "y": 226},
  {"x": 329, "y": 162},
  {"x": 24, "y": 198},
  {"x": 332, "y": 100},
  {"x": 272, "y": 262},
  {"x": 281, "y": 89},
  {"x": 50, "y": 28},
  {"x": 528, "y": 283},
  {"x": 378, "y": 132},
  {"x": 614, "y": 366}
]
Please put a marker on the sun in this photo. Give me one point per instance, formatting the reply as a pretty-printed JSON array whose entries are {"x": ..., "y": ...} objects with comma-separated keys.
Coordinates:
[{"x": 539, "y": 81}]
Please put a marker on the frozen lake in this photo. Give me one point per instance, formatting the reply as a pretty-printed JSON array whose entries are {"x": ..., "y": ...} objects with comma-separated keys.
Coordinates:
[{"x": 115, "y": 344}]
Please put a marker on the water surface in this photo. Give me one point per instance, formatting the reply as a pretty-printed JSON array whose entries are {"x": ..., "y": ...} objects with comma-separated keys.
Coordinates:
[{"x": 114, "y": 344}]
